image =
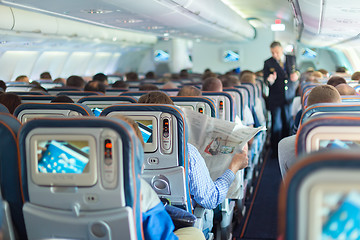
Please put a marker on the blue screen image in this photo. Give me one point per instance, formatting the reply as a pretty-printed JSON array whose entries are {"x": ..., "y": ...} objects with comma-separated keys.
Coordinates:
[{"x": 63, "y": 157}]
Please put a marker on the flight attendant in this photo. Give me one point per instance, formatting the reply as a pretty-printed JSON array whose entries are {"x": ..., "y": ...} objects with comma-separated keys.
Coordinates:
[{"x": 281, "y": 76}]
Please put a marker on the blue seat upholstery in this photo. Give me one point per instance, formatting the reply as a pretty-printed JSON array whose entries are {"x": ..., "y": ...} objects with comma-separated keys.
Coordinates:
[
  {"x": 35, "y": 110},
  {"x": 115, "y": 91},
  {"x": 224, "y": 103},
  {"x": 315, "y": 192},
  {"x": 76, "y": 95},
  {"x": 3, "y": 109},
  {"x": 329, "y": 107},
  {"x": 9, "y": 171},
  {"x": 36, "y": 98},
  {"x": 200, "y": 104},
  {"x": 102, "y": 199},
  {"x": 239, "y": 101},
  {"x": 29, "y": 93},
  {"x": 162, "y": 167}
]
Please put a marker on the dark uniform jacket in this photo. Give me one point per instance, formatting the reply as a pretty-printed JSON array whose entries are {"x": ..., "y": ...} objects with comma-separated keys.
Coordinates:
[{"x": 283, "y": 89}]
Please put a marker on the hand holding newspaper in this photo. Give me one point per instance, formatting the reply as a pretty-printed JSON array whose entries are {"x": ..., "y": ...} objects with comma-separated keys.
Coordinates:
[{"x": 217, "y": 141}]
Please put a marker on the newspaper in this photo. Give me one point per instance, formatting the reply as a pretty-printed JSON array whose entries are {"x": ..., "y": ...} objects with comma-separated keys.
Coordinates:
[{"x": 217, "y": 141}]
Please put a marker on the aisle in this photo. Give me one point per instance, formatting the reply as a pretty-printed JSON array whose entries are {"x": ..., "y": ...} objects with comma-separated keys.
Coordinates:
[{"x": 260, "y": 221}]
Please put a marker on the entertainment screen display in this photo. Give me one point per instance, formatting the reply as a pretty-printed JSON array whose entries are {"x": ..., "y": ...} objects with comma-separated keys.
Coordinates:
[
  {"x": 97, "y": 111},
  {"x": 161, "y": 56},
  {"x": 339, "y": 144},
  {"x": 146, "y": 129},
  {"x": 63, "y": 157},
  {"x": 231, "y": 56},
  {"x": 340, "y": 215}
]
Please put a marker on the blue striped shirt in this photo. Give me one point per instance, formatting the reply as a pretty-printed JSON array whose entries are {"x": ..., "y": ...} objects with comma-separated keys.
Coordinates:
[{"x": 205, "y": 191}]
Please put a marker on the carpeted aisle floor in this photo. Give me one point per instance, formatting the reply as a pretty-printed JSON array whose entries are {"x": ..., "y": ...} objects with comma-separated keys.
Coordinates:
[{"x": 260, "y": 221}]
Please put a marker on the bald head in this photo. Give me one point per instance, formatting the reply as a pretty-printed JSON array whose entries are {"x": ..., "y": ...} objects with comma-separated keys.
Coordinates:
[
  {"x": 323, "y": 94},
  {"x": 345, "y": 89},
  {"x": 212, "y": 84}
]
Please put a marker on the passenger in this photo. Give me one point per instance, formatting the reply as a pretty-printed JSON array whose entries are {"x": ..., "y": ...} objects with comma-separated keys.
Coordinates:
[
  {"x": 248, "y": 78},
  {"x": 150, "y": 75},
  {"x": 317, "y": 74},
  {"x": 335, "y": 80},
  {"x": 319, "y": 94},
  {"x": 169, "y": 85},
  {"x": 345, "y": 89},
  {"x": 101, "y": 78},
  {"x": 184, "y": 74},
  {"x": 245, "y": 72},
  {"x": 45, "y": 76},
  {"x": 60, "y": 80},
  {"x": 148, "y": 87},
  {"x": 62, "y": 99},
  {"x": 208, "y": 74},
  {"x": 157, "y": 223},
  {"x": 189, "y": 91},
  {"x": 95, "y": 86},
  {"x": 10, "y": 100},
  {"x": 230, "y": 81},
  {"x": 22, "y": 78},
  {"x": 355, "y": 76},
  {"x": 75, "y": 81},
  {"x": 38, "y": 89},
  {"x": 324, "y": 72},
  {"x": 132, "y": 76},
  {"x": 2, "y": 86},
  {"x": 212, "y": 84},
  {"x": 120, "y": 84},
  {"x": 203, "y": 189}
]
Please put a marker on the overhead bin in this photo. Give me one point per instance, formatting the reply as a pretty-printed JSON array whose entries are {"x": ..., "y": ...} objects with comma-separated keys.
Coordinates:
[
  {"x": 204, "y": 19},
  {"x": 19, "y": 20},
  {"x": 327, "y": 23}
]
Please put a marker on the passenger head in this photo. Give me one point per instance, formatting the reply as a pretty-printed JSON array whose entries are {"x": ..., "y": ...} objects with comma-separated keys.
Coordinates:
[
  {"x": 355, "y": 76},
  {"x": 169, "y": 85},
  {"x": 120, "y": 84},
  {"x": 335, "y": 80},
  {"x": 208, "y": 75},
  {"x": 22, "y": 78},
  {"x": 10, "y": 100},
  {"x": 317, "y": 74},
  {"x": 62, "y": 99},
  {"x": 189, "y": 91},
  {"x": 276, "y": 50},
  {"x": 156, "y": 97},
  {"x": 148, "y": 87},
  {"x": 133, "y": 124},
  {"x": 38, "y": 89},
  {"x": 323, "y": 94},
  {"x": 248, "y": 78},
  {"x": 75, "y": 81},
  {"x": 184, "y": 74},
  {"x": 245, "y": 72},
  {"x": 60, "y": 80},
  {"x": 345, "y": 89},
  {"x": 341, "y": 69},
  {"x": 324, "y": 72},
  {"x": 45, "y": 76},
  {"x": 150, "y": 75},
  {"x": 2, "y": 85},
  {"x": 212, "y": 84},
  {"x": 101, "y": 78},
  {"x": 230, "y": 81},
  {"x": 95, "y": 86},
  {"x": 132, "y": 76}
]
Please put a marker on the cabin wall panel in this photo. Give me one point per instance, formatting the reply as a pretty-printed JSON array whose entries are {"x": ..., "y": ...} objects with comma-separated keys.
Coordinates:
[
  {"x": 98, "y": 63},
  {"x": 76, "y": 64},
  {"x": 52, "y": 61},
  {"x": 15, "y": 63}
]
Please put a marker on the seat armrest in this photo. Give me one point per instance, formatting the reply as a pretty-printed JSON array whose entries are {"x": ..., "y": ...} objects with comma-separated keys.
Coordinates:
[{"x": 180, "y": 217}]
